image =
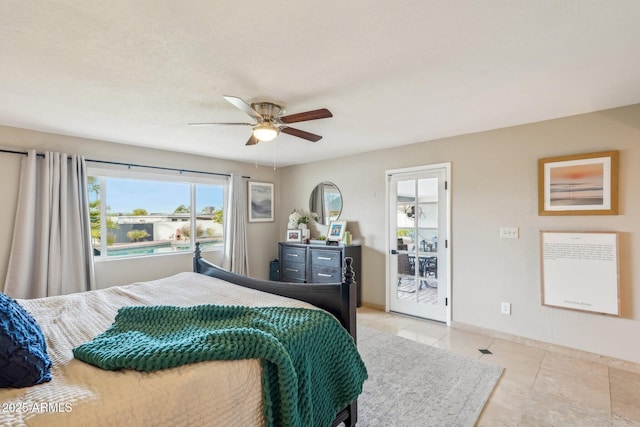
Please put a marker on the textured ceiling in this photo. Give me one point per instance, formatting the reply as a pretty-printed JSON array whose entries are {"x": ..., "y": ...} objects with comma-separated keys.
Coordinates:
[{"x": 392, "y": 73}]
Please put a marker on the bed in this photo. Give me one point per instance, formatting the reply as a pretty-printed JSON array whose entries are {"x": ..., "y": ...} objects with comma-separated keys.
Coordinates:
[{"x": 213, "y": 392}]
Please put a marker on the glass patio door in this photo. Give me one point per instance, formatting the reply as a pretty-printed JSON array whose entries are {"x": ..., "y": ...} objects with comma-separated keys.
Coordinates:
[{"x": 418, "y": 282}]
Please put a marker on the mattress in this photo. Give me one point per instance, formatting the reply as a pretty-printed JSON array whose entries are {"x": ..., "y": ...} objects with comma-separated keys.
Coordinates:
[{"x": 79, "y": 394}]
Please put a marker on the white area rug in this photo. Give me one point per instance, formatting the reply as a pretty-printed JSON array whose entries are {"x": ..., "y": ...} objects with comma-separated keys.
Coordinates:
[{"x": 415, "y": 385}]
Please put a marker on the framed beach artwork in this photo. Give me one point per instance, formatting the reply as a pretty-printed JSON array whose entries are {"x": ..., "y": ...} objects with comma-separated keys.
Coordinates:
[
  {"x": 260, "y": 202},
  {"x": 584, "y": 184}
]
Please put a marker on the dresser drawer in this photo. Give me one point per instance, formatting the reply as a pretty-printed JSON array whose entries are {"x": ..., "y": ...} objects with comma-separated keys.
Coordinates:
[
  {"x": 293, "y": 271},
  {"x": 293, "y": 254},
  {"x": 320, "y": 257},
  {"x": 323, "y": 274}
]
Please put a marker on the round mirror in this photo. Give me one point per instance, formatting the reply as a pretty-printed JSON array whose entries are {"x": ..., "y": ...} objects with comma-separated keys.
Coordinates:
[{"x": 326, "y": 202}]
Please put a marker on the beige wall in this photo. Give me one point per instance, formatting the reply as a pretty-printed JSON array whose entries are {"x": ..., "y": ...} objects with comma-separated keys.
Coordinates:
[
  {"x": 494, "y": 184},
  {"x": 261, "y": 236}
]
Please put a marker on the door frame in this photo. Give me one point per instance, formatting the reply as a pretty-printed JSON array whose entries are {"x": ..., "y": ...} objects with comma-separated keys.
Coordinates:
[{"x": 448, "y": 263}]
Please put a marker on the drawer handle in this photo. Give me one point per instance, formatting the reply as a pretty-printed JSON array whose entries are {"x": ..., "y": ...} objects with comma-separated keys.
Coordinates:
[
  {"x": 292, "y": 254},
  {"x": 325, "y": 257},
  {"x": 325, "y": 275},
  {"x": 292, "y": 269}
]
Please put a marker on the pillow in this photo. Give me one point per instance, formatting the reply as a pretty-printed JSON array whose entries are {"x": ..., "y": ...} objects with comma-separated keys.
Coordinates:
[{"x": 23, "y": 350}]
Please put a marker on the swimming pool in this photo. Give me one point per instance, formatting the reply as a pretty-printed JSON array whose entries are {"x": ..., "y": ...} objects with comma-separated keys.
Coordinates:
[{"x": 160, "y": 248}]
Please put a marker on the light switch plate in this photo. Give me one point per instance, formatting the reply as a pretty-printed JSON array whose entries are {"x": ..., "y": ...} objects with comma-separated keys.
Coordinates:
[{"x": 509, "y": 233}]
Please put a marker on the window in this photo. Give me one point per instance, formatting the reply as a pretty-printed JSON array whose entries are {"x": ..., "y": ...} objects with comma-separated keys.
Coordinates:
[{"x": 141, "y": 214}]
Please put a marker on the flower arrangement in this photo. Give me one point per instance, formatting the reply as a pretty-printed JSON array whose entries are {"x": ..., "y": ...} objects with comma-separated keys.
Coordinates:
[{"x": 298, "y": 217}]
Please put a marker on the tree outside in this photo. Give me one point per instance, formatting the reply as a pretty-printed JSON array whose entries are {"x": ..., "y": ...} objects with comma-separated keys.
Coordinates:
[
  {"x": 217, "y": 216},
  {"x": 136, "y": 235},
  {"x": 182, "y": 209},
  {"x": 94, "y": 212}
]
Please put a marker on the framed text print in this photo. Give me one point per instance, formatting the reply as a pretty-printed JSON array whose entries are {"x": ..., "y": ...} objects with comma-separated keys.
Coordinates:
[{"x": 579, "y": 271}]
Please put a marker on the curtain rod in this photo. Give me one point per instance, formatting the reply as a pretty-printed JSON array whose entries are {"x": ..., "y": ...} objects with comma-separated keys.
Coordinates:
[{"x": 133, "y": 165}]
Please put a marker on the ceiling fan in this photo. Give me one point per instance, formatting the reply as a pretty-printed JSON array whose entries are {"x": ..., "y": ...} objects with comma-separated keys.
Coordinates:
[{"x": 269, "y": 122}]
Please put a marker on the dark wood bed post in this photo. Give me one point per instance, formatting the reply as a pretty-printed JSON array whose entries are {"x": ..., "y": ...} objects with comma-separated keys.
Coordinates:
[
  {"x": 197, "y": 255},
  {"x": 350, "y": 413},
  {"x": 351, "y": 287},
  {"x": 339, "y": 299}
]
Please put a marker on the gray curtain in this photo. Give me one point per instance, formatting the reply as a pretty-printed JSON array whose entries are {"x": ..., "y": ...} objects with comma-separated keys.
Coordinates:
[
  {"x": 317, "y": 203},
  {"x": 235, "y": 237},
  {"x": 51, "y": 250}
]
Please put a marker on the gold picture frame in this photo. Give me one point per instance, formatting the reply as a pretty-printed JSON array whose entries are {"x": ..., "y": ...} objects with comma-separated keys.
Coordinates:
[{"x": 583, "y": 184}]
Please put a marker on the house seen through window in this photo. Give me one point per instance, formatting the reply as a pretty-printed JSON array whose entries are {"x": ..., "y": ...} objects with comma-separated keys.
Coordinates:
[{"x": 139, "y": 216}]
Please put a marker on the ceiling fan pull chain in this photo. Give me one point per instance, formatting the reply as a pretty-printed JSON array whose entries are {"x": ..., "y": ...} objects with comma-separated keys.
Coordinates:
[{"x": 274, "y": 155}]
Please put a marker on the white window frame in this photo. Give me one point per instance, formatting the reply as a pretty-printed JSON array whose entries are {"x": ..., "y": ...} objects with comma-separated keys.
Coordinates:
[{"x": 141, "y": 173}]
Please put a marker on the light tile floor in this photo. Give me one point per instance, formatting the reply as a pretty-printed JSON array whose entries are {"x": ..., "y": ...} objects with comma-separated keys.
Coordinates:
[{"x": 539, "y": 387}]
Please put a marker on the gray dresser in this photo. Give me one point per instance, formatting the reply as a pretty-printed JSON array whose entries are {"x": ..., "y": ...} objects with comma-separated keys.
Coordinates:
[{"x": 304, "y": 263}]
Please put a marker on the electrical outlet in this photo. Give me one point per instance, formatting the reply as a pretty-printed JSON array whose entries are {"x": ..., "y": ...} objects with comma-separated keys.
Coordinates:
[
  {"x": 505, "y": 308},
  {"x": 509, "y": 232}
]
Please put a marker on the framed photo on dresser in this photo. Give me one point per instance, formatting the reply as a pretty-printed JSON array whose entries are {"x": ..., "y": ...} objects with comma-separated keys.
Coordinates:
[
  {"x": 294, "y": 235},
  {"x": 336, "y": 231}
]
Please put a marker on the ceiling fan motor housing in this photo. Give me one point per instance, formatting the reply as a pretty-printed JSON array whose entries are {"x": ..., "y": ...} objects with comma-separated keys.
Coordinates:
[{"x": 268, "y": 110}]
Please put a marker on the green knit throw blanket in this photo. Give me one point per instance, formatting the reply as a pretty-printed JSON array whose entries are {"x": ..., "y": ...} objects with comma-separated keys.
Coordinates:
[{"x": 310, "y": 365}]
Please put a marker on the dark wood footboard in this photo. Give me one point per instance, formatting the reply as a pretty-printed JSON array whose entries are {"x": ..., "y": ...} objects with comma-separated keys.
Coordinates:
[{"x": 339, "y": 299}]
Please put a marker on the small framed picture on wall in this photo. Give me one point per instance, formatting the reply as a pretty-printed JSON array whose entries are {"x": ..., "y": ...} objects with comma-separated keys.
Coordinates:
[{"x": 260, "y": 202}]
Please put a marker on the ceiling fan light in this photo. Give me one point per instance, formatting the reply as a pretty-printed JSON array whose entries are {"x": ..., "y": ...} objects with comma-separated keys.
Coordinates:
[{"x": 265, "y": 132}]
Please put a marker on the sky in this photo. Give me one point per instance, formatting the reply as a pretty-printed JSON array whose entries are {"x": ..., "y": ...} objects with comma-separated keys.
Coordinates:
[{"x": 125, "y": 195}]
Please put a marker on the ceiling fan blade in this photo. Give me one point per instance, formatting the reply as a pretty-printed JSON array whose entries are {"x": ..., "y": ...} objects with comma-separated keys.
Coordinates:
[
  {"x": 242, "y": 105},
  {"x": 220, "y": 123},
  {"x": 322, "y": 113},
  {"x": 252, "y": 140},
  {"x": 301, "y": 134}
]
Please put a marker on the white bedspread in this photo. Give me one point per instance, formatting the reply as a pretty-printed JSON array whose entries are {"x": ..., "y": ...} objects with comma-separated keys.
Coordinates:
[{"x": 225, "y": 393}]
